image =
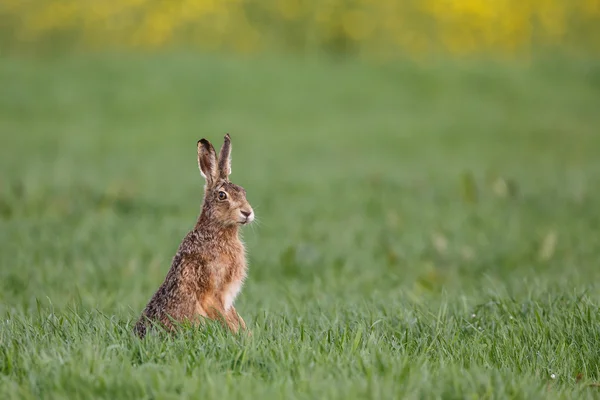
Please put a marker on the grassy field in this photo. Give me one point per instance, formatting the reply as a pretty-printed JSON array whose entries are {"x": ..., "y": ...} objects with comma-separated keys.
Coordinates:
[{"x": 426, "y": 231}]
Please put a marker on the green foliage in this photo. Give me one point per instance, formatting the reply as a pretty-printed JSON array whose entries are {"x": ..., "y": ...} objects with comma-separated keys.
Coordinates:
[{"x": 424, "y": 231}]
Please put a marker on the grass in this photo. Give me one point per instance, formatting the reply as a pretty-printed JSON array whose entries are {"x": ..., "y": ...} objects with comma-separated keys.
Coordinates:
[{"x": 426, "y": 231}]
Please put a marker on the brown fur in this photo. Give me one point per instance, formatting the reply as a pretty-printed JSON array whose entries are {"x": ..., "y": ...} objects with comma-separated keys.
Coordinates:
[{"x": 209, "y": 267}]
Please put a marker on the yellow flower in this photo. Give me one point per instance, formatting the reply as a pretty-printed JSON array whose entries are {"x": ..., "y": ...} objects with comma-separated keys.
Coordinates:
[
  {"x": 357, "y": 24},
  {"x": 377, "y": 28}
]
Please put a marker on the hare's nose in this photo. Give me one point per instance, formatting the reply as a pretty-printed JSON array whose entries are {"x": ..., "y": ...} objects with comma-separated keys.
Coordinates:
[{"x": 246, "y": 213}]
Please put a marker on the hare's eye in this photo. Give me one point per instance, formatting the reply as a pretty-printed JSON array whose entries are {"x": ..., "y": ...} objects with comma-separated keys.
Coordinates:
[{"x": 222, "y": 195}]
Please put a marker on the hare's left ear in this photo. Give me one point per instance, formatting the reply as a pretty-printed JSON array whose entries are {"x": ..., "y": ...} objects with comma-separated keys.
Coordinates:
[
  {"x": 207, "y": 161},
  {"x": 225, "y": 159}
]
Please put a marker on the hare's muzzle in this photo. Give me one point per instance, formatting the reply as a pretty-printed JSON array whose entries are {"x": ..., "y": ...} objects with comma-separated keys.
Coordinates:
[{"x": 247, "y": 216}]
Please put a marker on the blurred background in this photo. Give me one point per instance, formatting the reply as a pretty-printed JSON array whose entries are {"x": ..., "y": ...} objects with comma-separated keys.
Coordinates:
[
  {"x": 407, "y": 146},
  {"x": 369, "y": 29}
]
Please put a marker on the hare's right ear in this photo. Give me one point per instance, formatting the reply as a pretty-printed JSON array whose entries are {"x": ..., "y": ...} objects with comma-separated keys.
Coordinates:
[
  {"x": 207, "y": 161},
  {"x": 225, "y": 158}
]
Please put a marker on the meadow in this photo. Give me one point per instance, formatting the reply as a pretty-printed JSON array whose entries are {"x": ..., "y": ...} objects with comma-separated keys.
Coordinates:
[{"x": 425, "y": 231}]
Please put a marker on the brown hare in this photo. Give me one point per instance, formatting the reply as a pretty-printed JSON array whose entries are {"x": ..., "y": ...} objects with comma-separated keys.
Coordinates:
[{"x": 209, "y": 267}]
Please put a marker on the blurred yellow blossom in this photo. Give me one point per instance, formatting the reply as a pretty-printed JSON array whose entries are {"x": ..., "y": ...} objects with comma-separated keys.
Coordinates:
[
  {"x": 289, "y": 9},
  {"x": 368, "y": 27},
  {"x": 357, "y": 24}
]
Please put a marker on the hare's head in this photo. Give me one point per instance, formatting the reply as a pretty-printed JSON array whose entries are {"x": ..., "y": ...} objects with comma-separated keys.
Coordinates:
[{"x": 224, "y": 201}]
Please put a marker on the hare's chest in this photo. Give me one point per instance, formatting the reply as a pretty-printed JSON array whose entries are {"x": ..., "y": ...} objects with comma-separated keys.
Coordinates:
[
  {"x": 230, "y": 293},
  {"x": 230, "y": 278}
]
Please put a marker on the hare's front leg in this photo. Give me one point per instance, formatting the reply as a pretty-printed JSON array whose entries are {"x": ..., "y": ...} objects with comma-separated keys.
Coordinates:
[
  {"x": 214, "y": 311},
  {"x": 235, "y": 321}
]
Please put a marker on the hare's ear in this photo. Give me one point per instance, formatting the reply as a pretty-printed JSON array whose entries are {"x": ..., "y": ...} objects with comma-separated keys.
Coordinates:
[
  {"x": 225, "y": 158},
  {"x": 207, "y": 161}
]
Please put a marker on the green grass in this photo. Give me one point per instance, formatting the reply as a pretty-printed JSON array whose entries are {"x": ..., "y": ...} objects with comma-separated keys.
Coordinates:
[{"x": 426, "y": 231}]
